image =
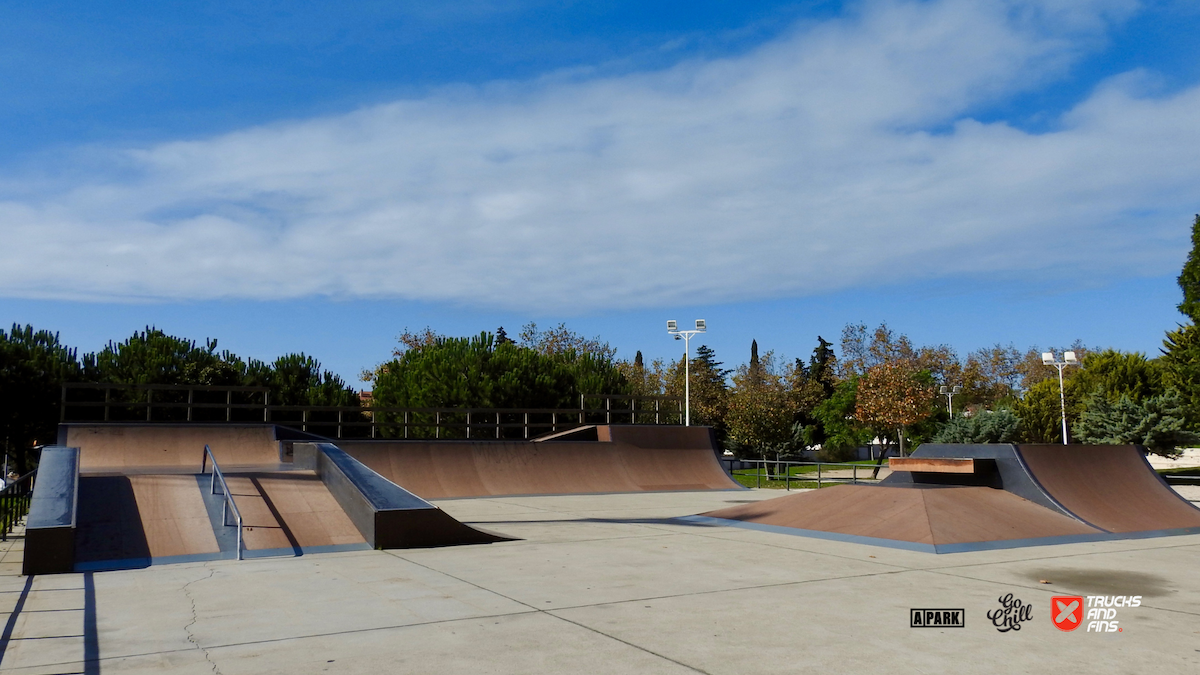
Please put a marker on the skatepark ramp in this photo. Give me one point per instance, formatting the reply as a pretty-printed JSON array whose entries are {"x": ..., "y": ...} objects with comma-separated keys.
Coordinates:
[
  {"x": 387, "y": 515},
  {"x": 53, "y": 513},
  {"x": 948, "y": 498},
  {"x": 133, "y": 447},
  {"x": 587, "y": 460},
  {"x": 133, "y": 495}
]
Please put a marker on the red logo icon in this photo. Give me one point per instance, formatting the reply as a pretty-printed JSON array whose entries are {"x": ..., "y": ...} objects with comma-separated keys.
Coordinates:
[{"x": 1066, "y": 611}]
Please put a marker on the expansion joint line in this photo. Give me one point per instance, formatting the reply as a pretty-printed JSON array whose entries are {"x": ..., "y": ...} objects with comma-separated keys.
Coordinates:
[
  {"x": 550, "y": 613},
  {"x": 195, "y": 617}
]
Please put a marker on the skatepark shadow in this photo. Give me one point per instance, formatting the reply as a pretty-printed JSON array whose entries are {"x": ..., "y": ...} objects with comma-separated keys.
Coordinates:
[
  {"x": 606, "y": 521},
  {"x": 91, "y": 637},
  {"x": 110, "y": 526},
  {"x": 282, "y": 524}
]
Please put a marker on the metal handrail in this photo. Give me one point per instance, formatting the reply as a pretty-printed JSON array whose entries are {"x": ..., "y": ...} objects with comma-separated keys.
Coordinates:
[
  {"x": 228, "y": 503},
  {"x": 373, "y": 421},
  {"x": 762, "y": 467},
  {"x": 14, "y": 502}
]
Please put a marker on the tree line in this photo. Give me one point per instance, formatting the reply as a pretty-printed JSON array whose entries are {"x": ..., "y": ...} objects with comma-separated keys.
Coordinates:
[
  {"x": 875, "y": 384},
  {"x": 885, "y": 388},
  {"x": 34, "y": 364}
]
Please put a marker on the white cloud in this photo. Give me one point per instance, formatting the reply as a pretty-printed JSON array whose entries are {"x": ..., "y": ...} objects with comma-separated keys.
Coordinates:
[{"x": 804, "y": 166}]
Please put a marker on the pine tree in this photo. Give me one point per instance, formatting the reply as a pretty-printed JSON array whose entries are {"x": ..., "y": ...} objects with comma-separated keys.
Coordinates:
[{"x": 33, "y": 367}]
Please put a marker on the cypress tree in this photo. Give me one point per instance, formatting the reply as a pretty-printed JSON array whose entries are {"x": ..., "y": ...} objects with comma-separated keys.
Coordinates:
[{"x": 1189, "y": 278}]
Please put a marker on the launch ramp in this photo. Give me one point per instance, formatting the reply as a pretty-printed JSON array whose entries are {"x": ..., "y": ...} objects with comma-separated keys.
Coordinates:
[{"x": 949, "y": 498}]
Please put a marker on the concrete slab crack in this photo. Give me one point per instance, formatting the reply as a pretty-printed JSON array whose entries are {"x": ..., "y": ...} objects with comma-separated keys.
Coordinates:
[{"x": 188, "y": 628}]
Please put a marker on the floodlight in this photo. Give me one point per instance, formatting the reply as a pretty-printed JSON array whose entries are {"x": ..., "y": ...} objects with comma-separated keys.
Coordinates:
[
  {"x": 957, "y": 389},
  {"x": 678, "y": 337},
  {"x": 1069, "y": 359},
  {"x": 700, "y": 324},
  {"x": 672, "y": 325},
  {"x": 944, "y": 390}
]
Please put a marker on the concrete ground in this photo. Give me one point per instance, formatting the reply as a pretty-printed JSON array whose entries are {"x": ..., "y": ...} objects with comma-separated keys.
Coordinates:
[
  {"x": 607, "y": 584},
  {"x": 1188, "y": 459}
]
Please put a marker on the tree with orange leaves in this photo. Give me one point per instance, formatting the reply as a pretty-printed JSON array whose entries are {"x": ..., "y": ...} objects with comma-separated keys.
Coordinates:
[{"x": 891, "y": 396}]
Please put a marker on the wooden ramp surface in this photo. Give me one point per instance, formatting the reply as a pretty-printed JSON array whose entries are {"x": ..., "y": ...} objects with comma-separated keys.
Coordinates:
[
  {"x": 142, "y": 516},
  {"x": 164, "y": 448},
  {"x": 663, "y": 459},
  {"x": 1109, "y": 486},
  {"x": 933, "y": 516},
  {"x": 289, "y": 509}
]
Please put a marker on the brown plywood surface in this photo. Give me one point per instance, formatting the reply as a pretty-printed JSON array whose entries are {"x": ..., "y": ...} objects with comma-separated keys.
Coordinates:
[
  {"x": 447, "y": 469},
  {"x": 173, "y": 515},
  {"x": 925, "y": 516},
  {"x": 932, "y": 464},
  {"x": 143, "y": 516},
  {"x": 168, "y": 448},
  {"x": 288, "y": 510},
  {"x": 1111, "y": 487},
  {"x": 848, "y": 509},
  {"x": 971, "y": 514}
]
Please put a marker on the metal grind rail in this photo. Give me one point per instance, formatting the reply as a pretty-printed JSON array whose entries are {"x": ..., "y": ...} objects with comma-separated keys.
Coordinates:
[{"x": 228, "y": 503}]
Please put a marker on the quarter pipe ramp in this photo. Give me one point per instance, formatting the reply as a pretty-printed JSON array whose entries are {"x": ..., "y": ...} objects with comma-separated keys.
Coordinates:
[{"x": 589, "y": 460}]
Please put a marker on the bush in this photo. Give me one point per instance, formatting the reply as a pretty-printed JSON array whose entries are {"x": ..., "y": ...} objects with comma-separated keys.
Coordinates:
[{"x": 986, "y": 426}]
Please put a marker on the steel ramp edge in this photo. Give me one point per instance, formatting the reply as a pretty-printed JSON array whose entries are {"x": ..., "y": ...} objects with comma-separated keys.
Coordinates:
[
  {"x": 964, "y": 547},
  {"x": 251, "y": 554}
]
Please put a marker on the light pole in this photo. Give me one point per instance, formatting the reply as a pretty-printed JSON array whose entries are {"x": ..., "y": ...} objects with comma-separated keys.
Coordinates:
[
  {"x": 686, "y": 336},
  {"x": 949, "y": 393},
  {"x": 1068, "y": 360}
]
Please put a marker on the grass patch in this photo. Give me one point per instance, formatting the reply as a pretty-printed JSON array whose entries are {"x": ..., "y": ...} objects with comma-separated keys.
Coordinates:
[
  {"x": 1193, "y": 471},
  {"x": 797, "y": 470},
  {"x": 750, "y": 478}
]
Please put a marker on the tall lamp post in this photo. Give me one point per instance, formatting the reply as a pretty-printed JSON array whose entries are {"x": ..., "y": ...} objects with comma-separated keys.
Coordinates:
[
  {"x": 1068, "y": 360},
  {"x": 686, "y": 336},
  {"x": 949, "y": 393}
]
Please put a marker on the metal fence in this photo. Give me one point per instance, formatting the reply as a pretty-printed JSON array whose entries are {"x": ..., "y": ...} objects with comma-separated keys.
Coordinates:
[
  {"x": 88, "y": 402},
  {"x": 782, "y": 471},
  {"x": 14, "y": 503}
]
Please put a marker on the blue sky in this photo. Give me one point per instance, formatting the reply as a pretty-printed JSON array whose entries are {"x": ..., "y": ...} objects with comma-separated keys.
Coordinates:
[{"x": 317, "y": 177}]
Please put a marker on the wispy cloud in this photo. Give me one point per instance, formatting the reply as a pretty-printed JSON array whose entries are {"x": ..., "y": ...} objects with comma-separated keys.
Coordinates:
[{"x": 845, "y": 153}]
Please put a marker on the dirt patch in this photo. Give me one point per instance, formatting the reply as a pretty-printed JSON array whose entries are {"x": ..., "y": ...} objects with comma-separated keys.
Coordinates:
[{"x": 1104, "y": 582}]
